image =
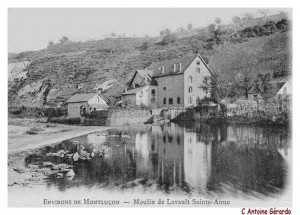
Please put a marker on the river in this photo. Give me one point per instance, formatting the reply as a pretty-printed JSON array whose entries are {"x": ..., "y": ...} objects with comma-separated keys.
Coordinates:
[{"x": 188, "y": 160}]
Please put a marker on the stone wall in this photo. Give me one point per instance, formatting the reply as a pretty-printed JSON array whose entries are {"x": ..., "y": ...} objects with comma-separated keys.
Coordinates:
[
  {"x": 127, "y": 116},
  {"x": 271, "y": 110}
]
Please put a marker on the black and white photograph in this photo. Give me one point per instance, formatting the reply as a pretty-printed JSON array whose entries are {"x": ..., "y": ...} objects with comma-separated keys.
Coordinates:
[{"x": 150, "y": 107}]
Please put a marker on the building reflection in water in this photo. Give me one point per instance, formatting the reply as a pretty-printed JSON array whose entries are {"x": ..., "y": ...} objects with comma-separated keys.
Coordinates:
[
  {"x": 176, "y": 157},
  {"x": 203, "y": 158},
  {"x": 193, "y": 158}
]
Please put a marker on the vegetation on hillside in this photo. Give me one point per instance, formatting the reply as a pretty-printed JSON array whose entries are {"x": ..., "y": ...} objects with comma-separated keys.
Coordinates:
[{"x": 248, "y": 52}]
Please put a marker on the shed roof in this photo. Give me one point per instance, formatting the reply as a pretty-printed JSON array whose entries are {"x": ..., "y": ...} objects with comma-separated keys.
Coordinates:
[
  {"x": 81, "y": 97},
  {"x": 84, "y": 97}
]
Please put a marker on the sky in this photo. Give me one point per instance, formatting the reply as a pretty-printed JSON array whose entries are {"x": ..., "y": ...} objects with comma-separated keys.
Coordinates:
[{"x": 32, "y": 29}]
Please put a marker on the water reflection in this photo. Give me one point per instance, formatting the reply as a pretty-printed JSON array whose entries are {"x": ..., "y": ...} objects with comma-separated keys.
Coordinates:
[{"x": 193, "y": 158}]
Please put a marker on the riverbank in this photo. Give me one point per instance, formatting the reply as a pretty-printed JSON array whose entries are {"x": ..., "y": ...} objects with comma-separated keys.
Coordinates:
[{"x": 27, "y": 134}]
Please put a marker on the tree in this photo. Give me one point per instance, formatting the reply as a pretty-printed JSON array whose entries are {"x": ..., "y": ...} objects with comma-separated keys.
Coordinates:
[
  {"x": 189, "y": 27},
  {"x": 237, "y": 22},
  {"x": 210, "y": 87},
  {"x": 169, "y": 38},
  {"x": 180, "y": 30},
  {"x": 165, "y": 32},
  {"x": 211, "y": 28},
  {"x": 248, "y": 17},
  {"x": 283, "y": 14},
  {"x": 144, "y": 46},
  {"x": 64, "y": 39},
  {"x": 215, "y": 33},
  {"x": 50, "y": 43},
  {"x": 218, "y": 21},
  {"x": 262, "y": 83},
  {"x": 245, "y": 85},
  {"x": 264, "y": 13},
  {"x": 196, "y": 44}
]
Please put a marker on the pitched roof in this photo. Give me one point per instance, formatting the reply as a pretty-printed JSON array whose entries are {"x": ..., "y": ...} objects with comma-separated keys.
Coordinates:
[
  {"x": 185, "y": 61},
  {"x": 81, "y": 97},
  {"x": 84, "y": 97},
  {"x": 169, "y": 66},
  {"x": 146, "y": 73},
  {"x": 109, "y": 100},
  {"x": 131, "y": 91}
]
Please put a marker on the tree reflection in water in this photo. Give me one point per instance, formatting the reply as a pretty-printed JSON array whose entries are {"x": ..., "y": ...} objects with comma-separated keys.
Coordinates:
[{"x": 194, "y": 158}]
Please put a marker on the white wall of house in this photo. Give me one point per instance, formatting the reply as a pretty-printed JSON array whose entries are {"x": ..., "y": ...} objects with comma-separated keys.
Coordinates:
[
  {"x": 146, "y": 96},
  {"x": 193, "y": 80},
  {"x": 74, "y": 109},
  {"x": 97, "y": 102}
]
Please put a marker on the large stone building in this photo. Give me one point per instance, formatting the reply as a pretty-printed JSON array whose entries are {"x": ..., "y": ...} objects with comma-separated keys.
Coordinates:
[{"x": 173, "y": 83}]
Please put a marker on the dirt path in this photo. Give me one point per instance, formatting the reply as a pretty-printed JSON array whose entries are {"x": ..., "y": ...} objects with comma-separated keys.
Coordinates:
[
  {"x": 22, "y": 143},
  {"x": 20, "y": 140}
]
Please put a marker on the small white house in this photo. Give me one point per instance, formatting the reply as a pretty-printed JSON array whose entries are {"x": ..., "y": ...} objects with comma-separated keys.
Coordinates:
[{"x": 93, "y": 101}]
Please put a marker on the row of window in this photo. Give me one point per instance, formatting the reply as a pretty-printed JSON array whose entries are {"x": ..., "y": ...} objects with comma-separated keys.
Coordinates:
[
  {"x": 190, "y": 100},
  {"x": 171, "y": 101},
  {"x": 164, "y": 88}
]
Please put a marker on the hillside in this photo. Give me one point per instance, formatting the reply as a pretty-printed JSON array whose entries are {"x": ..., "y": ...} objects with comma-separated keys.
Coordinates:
[{"x": 63, "y": 69}]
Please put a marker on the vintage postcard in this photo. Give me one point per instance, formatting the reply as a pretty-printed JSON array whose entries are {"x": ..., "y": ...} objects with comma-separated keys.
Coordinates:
[{"x": 150, "y": 107}]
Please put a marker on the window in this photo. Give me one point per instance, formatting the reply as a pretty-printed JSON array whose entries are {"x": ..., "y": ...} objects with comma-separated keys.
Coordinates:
[
  {"x": 170, "y": 101},
  {"x": 141, "y": 93},
  {"x": 198, "y": 62},
  {"x": 164, "y": 88},
  {"x": 153, "y": 92},
  {"x": 153, "y": 145},
  {"x": 178, "y": 100},
  {"x": 190, "y": 79},
  {"x": 198, "y": 69},
  {"x": 170, "y": 139},
  {"x": 165, "y": 101},
  {"x": 190, "y": 100},
  {"x": 190, "y": 89}
]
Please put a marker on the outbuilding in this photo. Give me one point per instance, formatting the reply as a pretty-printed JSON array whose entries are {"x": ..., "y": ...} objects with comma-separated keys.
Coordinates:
[{"x": 86, "y": 101}]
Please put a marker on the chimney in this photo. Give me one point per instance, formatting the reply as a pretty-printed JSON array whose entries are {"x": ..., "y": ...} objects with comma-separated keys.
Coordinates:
[{"x": 180, "y": 67}]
